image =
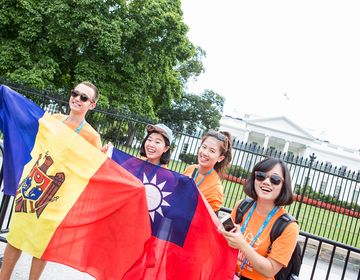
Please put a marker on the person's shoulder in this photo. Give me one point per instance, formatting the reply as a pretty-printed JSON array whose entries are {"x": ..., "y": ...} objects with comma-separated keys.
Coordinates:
[
  {"x": 59, "y": 116},
  {"x": 189, "y": 169},
  {"x": 90, "y": 129},
  {"x": 291, "y": 228}
]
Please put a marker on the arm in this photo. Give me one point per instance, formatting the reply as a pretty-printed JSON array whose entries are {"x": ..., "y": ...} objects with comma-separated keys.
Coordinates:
[{"x": 267, "y": 266}]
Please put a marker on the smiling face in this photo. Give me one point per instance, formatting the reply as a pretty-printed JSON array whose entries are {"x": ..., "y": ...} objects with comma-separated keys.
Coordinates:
[
  {"x": 268, "y": 189},
  {"x": 155, "y": 147},
  {"x": 210, "y": 152},
  {"x": 79, "y": 107}
]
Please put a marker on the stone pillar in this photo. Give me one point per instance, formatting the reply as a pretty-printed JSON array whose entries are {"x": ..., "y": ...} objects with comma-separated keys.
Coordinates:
[
  {"x": 246, "y": 137},
  {"x": 286, "y": 147},
  {"x": 266, "y": 142}
]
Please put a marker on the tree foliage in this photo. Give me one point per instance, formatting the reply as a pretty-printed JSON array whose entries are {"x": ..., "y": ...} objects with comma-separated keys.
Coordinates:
[
  {"x": 195, "y": 112},
  {"x": 137, "y": 52}
]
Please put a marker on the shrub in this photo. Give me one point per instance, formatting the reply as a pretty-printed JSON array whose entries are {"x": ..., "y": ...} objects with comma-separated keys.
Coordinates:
[
  {"x": 188, "y": 158},
  {"x": 238, "y": 171}
]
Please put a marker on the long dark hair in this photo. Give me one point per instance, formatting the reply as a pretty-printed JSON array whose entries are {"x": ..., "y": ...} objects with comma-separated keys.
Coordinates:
[{"x": 286, "y": 195}]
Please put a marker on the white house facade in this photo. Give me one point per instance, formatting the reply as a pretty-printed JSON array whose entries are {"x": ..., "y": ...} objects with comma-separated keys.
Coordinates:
[{"x": 283, "y": 135}]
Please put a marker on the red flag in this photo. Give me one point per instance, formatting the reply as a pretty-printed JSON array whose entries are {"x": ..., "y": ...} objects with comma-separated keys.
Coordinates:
[{"x": 185, "y": 241}]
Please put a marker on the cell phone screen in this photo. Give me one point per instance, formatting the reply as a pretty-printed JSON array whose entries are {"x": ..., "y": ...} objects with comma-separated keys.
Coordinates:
[{"x": 228, "y": 223}]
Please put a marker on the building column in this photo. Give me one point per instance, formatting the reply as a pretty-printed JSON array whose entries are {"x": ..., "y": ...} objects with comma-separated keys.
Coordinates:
[
  {"x": 286, "y": 147},
  {"x": 266, "y": 142},
  {"x": 246, "y": 137},
  {"x": 307, "y": 151}
]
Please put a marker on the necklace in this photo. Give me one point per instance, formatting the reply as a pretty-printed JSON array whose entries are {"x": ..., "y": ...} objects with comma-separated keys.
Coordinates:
[
  {"x": 81, "y": 125},
  {"x": 202, "y": 179}
]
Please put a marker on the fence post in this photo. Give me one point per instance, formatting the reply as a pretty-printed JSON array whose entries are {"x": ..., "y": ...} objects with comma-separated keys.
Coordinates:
[
  {"x": 312, "y": 158},
  {"x": 5, "y": 199}
]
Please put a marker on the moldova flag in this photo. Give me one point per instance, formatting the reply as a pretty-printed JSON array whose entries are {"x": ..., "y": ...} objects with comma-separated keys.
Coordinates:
[
  {"x": 186, "y": 243},
  {"x": 73, "y": 205}
]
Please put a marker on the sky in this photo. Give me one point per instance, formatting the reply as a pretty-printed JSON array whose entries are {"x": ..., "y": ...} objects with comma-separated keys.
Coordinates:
[{"x": 298, "y": 59}]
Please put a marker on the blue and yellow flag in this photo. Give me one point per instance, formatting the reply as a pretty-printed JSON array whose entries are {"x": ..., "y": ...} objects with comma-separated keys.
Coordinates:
[{"x": 73, "y": 205}]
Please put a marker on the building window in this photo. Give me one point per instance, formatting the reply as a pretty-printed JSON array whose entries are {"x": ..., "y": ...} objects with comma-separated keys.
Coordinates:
[
  {"x": 342, "y": 170},
  {"x": 307, "y": 180},
  {"x": 337, "y": 192},
  {"x": 356, "y": 196},
  {"x": 185, "y": 148},
  {"x": 328, "y": 166},
  {"x": 323, "y": 187},
  {"x": 289, "y": 155}
]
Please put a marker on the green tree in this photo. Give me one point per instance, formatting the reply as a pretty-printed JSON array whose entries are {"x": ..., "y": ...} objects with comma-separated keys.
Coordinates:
[
  {"x": 137, "y": 52},
  {"x": 194, "y": 112}
]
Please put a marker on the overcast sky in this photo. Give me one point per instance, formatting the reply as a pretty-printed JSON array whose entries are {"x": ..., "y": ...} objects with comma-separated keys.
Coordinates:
[{"x": 299, "y": 59}]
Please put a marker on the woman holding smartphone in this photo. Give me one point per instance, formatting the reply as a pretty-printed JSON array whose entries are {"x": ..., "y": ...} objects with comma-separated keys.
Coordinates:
[
  {"x": 269, "y": 185},
  {"x": 214, "y": 156}
]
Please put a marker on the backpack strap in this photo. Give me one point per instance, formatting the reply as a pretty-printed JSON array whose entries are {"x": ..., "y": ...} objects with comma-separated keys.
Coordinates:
[
  {"x": 243, "y": 207},
  {"x": 280, "y": 224},
  {"x": 278, "y": 227}
]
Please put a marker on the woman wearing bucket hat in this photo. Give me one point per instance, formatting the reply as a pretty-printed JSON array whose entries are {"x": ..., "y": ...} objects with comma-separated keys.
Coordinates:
[
  {"x": 214, "y": 156},
  {"x": 156, "y": 144}
]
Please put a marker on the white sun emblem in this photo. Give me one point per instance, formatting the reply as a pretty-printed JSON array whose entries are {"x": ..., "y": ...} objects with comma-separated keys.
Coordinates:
[{"x": 155, "y": 196}]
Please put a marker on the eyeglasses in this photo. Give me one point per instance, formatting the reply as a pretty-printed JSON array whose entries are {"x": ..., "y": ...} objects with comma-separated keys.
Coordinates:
[
  {"x": 274, "y": 179},
  {"x": 218, "y": 135},
  {"x": 83, "y": 97}
]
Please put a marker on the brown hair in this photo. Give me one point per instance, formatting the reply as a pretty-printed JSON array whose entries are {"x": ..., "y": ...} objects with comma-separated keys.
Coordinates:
[
  {"x": 226, "y": 149},
  {"x": 286, "y": 195},
  {"x": 95, "y": 89}
]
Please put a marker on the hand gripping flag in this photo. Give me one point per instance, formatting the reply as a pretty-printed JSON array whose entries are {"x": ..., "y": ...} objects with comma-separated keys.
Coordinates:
[
  {"x": 186, "y": 241},
  {"x": 73, "y": 205}
]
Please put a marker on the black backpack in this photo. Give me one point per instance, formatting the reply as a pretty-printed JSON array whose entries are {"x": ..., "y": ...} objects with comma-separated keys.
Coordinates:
[{"x": 292, "y": 270}]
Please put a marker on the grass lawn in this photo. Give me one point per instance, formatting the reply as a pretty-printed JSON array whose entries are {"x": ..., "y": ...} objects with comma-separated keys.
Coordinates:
[{"x": 317, "y": 221}]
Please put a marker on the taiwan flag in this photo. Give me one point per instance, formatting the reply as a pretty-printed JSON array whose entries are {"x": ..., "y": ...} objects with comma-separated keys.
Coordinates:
[
  {"x": 186, "y": 243},
  {"x": 72, "y": 205}
]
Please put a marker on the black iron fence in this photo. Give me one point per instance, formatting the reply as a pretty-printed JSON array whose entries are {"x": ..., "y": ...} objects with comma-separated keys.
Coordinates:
[{"x": 327, "y": 197}]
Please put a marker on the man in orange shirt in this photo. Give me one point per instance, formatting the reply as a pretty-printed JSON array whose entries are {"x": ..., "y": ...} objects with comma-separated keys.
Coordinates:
[{"x": 83, "y": 98}]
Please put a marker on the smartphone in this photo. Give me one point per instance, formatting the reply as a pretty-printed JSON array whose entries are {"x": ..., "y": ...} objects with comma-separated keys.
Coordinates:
[{"x": 227, "y": 222}]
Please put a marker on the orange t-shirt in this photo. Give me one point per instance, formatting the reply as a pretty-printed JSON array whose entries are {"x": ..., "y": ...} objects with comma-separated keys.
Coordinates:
[
  {"x": 87, "y": 132},
  {"x": 210, "y": 187},
  {"x": 282, "y": 247}
]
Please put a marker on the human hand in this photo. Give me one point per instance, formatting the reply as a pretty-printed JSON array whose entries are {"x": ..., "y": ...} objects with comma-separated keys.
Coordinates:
[
  {"x": 105, "y": 148},
  {"x": 234, "y": 237}
]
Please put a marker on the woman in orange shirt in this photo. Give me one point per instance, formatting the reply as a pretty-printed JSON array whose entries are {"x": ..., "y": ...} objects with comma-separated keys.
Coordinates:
[
  {"x": 155, "y": 147},
  {"x": 214, "y": 156},
  {"x": 270, "y": 186}
]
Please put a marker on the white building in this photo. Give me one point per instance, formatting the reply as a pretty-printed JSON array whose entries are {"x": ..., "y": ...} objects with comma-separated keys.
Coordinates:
[{"x": 283, "y": 135}]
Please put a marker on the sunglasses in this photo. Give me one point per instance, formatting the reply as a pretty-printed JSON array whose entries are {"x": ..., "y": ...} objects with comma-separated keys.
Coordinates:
[
  {"x": 274, "y": 179},
  {"x": 83, "y": 97},
  {"x": 218, "y": 135}
]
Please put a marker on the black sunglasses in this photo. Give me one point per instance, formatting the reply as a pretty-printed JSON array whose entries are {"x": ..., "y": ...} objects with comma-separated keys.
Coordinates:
[
  {"x": 274, "y": 179},
  {"x": 83, "y": 97},
  {"x": 218, "y": 135}
]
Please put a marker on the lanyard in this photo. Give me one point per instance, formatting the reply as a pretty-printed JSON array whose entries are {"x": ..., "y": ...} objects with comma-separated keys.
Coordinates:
[
  {"x": 77, "y": 130},
  {"x": 202, "y": 179},
  {"x": 81, "y": 125},
  {"x": 268, "y": 218}
]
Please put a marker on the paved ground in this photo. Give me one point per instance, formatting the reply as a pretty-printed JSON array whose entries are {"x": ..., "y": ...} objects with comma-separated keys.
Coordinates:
[{"x": 55, "y": 271}]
